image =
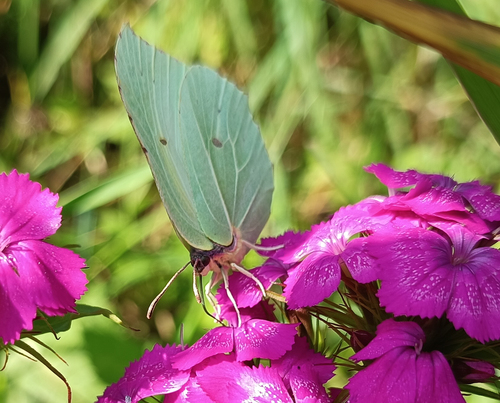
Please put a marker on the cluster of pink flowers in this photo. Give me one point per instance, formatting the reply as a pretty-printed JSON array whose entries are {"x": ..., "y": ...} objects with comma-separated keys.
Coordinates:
[
  {"x": 421, "y": 270},
  {"x": 220, "y": 367},
  {"x": 417, "y": 274}
]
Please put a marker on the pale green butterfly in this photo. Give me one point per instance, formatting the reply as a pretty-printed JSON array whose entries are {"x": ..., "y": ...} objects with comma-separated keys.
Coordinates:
[{"x": 205, "y": 151}]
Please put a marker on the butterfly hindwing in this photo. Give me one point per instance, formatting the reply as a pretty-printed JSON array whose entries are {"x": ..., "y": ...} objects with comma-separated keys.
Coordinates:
[
  {"x": 150, "y": 82},
  {"x": 227, "y": 157}
]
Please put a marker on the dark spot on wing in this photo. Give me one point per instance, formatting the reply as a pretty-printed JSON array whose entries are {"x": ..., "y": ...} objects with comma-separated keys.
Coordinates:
[
  {"x": 144, "y": 150},
  {"x": 163, "y": 141},
  {"x": 216, "y": 142}
]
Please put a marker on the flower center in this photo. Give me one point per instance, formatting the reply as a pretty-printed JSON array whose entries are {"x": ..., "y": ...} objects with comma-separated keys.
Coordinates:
[{"x": 4, "y": 243}]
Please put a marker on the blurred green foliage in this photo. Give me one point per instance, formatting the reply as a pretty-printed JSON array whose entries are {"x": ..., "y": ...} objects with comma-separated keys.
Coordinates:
[{"x": 331, "y": 92}]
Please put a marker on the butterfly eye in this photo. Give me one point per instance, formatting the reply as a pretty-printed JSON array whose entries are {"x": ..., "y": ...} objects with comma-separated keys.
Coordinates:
[{"x": 199, "y": 261}]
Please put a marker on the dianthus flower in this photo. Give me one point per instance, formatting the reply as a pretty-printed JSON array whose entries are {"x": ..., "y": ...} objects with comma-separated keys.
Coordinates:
[
  {"x": 401, "y": 370},
  {"x": 315, "y": 256},
  {"x": 444, "y": 265},
  {"x": 33, "y": 274}
]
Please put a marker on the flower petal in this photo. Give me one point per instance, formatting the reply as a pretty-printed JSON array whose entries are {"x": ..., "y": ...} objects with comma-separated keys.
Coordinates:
[
  {"x": 401, "y": 375},
  {"x": 151, "y": 375},
  {"x": 191, "y": 392},
  {"x": 360, "y": 263},
  {"x": 400, "y": 372},
  {"x": 216, "y": 341},
  {"x": 391, "y": 178},
  {"x": 18, "y": 311},
  {"x": 26, "y": 212},
  {"x": 416, "y": 272},
  {"x": 390, "y": 335},
  {"x": 301, "y": 355},
  {"x": 312, "y": 280},
  {"x": 474, "y": 304},
  {"x": 306, "y": 386},
  {"x": 482, "y": 199},
  {"x": 235, "y": 382},
  {"x": 391, "y": 378},
  {"x": 435, "y": 380},
  {"x": 263, "y": 339},
  {"x": 37, "y": 275}
]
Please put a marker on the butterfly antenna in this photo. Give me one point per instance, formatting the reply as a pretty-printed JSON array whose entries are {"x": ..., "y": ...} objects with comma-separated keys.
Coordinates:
[
  {"x": 230, "y": 296},
  {"x": 261, "y": 248},
  {"x": 153, "y": 304},
  {"x": 245, "y": 272}
]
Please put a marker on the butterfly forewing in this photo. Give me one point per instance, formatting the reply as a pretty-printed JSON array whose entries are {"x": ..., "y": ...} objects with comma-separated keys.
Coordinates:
[{"x": 150, "y": 82}]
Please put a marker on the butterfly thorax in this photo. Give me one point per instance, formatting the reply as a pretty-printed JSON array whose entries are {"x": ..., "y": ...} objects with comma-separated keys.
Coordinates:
[{"x": 220, "y": 256}]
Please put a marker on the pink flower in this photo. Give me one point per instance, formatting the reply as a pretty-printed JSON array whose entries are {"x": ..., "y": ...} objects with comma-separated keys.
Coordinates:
[
  {"x": 33, "y": 274},
  {"x": 401, "y": 370},
  {"x": 439, "y": 196},
  {"x": 430, "y": 273},
  {"x": 151, "y": 375},
  {"x": 316, "y": 256}
]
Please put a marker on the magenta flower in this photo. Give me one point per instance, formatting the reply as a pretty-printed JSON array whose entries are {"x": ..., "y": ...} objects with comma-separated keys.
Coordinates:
[
  {"x": 304, "y": 372},
  {"x": 230, "y": 382},
  {"x": 33, "y": 274},
  {"x": 401, "y": 371},
  {"x": 151, "y": 375},
  {"x": 439, "y": 196},
  {"x": 316, "y": 255},
  {"x": 428, "y": 273}
]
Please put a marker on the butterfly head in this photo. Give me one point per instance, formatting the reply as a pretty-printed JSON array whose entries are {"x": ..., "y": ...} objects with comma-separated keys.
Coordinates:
[{"x": 205, "y": 260}]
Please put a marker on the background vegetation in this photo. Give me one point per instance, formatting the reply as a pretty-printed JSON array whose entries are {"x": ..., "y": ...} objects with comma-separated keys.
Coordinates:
[{"x": 331, "y": 92}]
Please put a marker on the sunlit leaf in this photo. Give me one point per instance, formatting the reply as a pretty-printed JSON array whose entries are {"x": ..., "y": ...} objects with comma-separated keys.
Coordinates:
[
  {"x": 57, "y": 324},
  {"x": 484, "y": 95},
  {"x": 471, "y": 44},
  {"x": 62, "y": 44}
]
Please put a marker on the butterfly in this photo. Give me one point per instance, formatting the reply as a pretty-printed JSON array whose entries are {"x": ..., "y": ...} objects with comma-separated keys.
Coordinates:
[{"x": 206, "y": 154}]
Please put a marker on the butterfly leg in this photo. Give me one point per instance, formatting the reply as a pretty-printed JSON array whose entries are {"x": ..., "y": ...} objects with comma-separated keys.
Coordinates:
[
  {"x": 211, "y": 297},
  {"x": 230, "y": 295},
  {"x": 260, "y": 247},
  {"x": 201, "y": 299}
]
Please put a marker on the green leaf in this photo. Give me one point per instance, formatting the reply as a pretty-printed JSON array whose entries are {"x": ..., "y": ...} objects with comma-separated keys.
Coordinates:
[
  {"x": 62, "y": 43},
  {"x": 471, "y": 44},
  {"x": 35, "y": 354},
  {"x": 57, "y": 324},
  {"x": 483, "y": 94},
  {"x": 479, "y": 391}
]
